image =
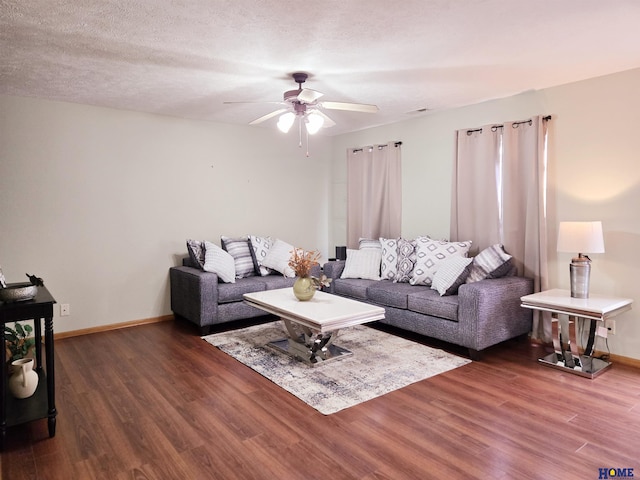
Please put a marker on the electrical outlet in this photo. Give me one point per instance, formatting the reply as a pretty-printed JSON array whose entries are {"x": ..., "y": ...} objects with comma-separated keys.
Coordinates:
[
  {"x": 64, "y": 309},
  {"x": 611, "y": 326}
]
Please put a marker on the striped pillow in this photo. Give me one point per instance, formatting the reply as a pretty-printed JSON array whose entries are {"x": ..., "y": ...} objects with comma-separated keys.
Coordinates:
[
  {"x": 451, "y": 274},
  {"x": 239, "y": 249},
  {"x": 492, "y": 262},
  {"x": 363, "y": 263},
  {"x": 220, "y": 262}
]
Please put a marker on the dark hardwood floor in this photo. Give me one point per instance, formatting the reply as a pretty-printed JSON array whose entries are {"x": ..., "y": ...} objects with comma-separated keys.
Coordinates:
[{"x": 157, "y": 402}]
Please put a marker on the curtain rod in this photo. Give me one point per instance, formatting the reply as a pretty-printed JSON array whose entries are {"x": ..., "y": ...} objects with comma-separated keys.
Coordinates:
[
  {"x": 380, "y": 147},
  {"x": 513, "y": 125}
]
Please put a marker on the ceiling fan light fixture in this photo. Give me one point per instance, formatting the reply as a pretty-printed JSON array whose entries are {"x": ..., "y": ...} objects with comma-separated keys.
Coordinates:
[
  {"x": 313, "y": 123},
  {"x": 285, "y": 121}
]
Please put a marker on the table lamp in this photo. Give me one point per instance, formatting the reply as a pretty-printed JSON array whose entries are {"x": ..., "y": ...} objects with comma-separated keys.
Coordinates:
[{"x": 581, "y": 237}]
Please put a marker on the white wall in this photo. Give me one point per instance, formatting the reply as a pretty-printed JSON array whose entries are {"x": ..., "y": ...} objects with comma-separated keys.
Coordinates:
[
  {"x": 594, "y": 174},
  {"x": 99, "y": 202}
]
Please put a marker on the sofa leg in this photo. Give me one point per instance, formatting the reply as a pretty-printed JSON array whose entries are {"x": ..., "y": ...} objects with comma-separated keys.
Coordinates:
[
  {"x": 474, "y": 354},
  {"x": 205, "y": 330}
]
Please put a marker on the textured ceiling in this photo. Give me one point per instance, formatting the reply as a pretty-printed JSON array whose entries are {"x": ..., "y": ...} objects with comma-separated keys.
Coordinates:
[{"x": 186, "y": 57}]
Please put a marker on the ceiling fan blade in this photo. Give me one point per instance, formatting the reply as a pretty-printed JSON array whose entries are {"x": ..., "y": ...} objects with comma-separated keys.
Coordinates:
[
  {"x": 268, "y": 116},
  {"x": 236, "y": 103},
  {"x": 309, "y": 96},
  {"x": 327, "y": 120},
  {"x": 352, "y": 107}
]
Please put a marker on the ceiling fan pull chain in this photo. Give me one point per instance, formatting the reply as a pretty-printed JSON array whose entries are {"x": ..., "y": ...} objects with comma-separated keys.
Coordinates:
[
  {"x": 308, "y": 145},
  {"x": 300, "y": 131}
]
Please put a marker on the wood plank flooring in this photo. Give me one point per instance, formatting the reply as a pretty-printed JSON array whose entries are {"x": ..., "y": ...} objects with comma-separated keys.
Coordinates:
[{"x": 157, "y": 402}]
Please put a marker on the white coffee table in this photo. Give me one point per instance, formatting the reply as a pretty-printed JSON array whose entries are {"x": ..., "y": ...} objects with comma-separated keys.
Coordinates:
[{"x": 313, "y": 325}]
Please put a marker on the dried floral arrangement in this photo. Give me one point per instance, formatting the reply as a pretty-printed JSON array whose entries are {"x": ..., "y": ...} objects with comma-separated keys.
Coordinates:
[{"x": 302, "y": 262}]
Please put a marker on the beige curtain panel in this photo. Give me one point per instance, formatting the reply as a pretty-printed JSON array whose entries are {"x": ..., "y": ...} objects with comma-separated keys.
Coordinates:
[
  {"x": 499, "y": 195},
  {"x": 374, "y": 192}
]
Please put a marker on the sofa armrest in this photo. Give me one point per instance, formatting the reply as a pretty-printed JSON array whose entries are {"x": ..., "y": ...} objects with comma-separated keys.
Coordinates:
[
  {"x": 489, "y": 311},
  {"x": 333, "y": 270},
  {"x": 194, "y": 294}
]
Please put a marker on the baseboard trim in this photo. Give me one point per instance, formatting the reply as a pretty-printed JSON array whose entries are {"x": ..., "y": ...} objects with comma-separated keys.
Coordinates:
[
  {"x": 628, "y": 361},
  {"x": 113, "y": 326}
]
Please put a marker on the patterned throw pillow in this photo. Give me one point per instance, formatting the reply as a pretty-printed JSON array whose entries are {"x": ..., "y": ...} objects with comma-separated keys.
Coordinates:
[
  {"x": 451, "y": 273},
  {"x": 278, "y": 258},
  {"x": 363, "y": 263},
  {"x": 492, "y": 262},
  {"x": 239, "y": 249},
  {"x": 196, "y": 251},
  {"x": 430, "y": 254},
  {"x": 406, "y": 260},
  {"x": 220, "y": 262},
  {"x": 260, "y": 247},
  {"x": 389, "y": 262}
]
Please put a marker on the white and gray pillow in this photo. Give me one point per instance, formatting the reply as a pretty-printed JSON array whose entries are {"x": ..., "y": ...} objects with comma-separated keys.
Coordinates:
[
  {"x": 451, "y": 273},
  {"x": 278, "y": 258},
  {"x": 220, "y": 262},
  {"x": 492, "y": 262},
  {"x": 389, "y": 260},
  {"x": 260, "y": 247},
  {"x": 430, "y": 254},
  {"x": 363, "y": 263},
  {"x": 240, "y": 250},
  {"x": 196, "y": 251},
  {"x": 406, "y": 260}
]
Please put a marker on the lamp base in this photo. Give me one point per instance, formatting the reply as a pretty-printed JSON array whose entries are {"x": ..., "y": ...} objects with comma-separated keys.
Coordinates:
[{"x": 580, "y": 270}]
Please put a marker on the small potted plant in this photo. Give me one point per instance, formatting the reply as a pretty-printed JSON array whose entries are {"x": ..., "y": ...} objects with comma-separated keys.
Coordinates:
[
  {"x": 18, "y": 341},
  {"x": 305, "y": 285}
]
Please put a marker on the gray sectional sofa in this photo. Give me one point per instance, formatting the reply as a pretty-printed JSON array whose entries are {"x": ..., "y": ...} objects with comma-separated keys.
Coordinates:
[
  {"x": 200, "y": 297},
  {"x": 482, "y": 313}
]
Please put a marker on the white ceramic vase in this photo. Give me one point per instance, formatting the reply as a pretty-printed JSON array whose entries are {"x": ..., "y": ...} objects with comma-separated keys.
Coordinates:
[{"x": 24, "y": 380}]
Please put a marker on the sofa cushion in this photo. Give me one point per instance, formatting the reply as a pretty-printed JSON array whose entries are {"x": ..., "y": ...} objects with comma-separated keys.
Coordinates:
[
  {"x": 389, "y": 293},
  {"x": 406, "y": 260},
  {"x": 389, "y": 260},
  {"x": 272, "y": 282},
  {"x": 240, "y": 250},
  {"x": 363, "y": 263},
  {"x": 232, "y": 292},
  {"x": 353, "y": 287},
  {"x": 492, "y": 262},
  {"x": 429, "y": 302},
  {"x": 451, "y": 274},
  {"x": 218, "y": 261},
  {"x": 430, "y": 254}
]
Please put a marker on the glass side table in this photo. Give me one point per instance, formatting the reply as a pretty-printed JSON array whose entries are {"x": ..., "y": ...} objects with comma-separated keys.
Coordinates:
[{"x": 596, "y": 308}]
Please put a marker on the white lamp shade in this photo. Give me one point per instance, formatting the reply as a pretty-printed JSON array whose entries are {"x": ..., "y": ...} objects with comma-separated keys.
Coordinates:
[
  {"x": 285, "y": 121},
  {"x": 580, "y": 237},
  {"x": 313, "y": 123}
]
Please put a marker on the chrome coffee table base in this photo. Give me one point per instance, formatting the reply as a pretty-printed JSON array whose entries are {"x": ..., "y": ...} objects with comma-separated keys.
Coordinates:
[{"x": 307, "y": 346}]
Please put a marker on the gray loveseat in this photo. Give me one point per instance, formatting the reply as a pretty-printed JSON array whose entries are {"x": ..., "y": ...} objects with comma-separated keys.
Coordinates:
[
  {"x": 482, "y": 314},
  {"x": 201, "y": 298}
]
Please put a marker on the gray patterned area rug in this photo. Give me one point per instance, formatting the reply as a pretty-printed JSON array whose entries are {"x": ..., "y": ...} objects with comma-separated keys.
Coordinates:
[{"x": 380, "y": 363}]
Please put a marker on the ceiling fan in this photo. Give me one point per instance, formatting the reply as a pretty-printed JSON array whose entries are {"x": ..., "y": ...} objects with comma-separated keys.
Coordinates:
[{"x": 303, "y": 104}]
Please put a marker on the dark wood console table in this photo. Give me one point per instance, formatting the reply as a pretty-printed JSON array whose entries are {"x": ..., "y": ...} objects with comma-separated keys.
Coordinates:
[{"x": 42, "y": 403}]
